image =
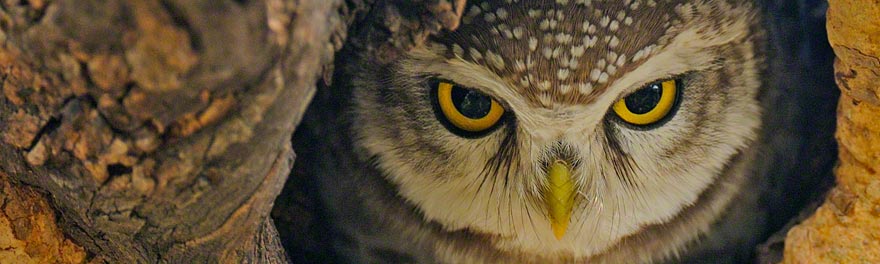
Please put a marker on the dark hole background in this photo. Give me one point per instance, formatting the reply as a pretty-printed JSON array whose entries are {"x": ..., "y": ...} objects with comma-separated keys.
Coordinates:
[{"x": 804, "y": 68}]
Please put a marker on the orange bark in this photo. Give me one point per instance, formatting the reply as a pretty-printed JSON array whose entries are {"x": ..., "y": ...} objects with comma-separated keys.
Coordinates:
[
  {"x": 28, "y": 233},
  {"x": 846, "y": 228}
]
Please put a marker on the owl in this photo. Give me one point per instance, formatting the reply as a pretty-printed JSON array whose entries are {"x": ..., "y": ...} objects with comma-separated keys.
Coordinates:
[{"x": 566, "y": 131}]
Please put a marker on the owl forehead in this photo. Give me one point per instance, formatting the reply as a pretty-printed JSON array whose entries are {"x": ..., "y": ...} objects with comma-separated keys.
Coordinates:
[{"x": 563, "y": 51}]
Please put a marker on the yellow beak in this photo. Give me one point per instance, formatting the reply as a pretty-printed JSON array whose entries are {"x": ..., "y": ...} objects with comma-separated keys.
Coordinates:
[{"x": 559, "y": 197}]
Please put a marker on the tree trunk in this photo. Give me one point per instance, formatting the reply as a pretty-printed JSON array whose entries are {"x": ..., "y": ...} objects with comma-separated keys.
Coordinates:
[
  {"x": 159, "y": 130},
  {"x": 846, "y": 228}
]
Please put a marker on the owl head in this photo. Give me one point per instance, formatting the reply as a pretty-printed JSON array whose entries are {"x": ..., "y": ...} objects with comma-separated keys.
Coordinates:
[{"x": 569, "y": 128}]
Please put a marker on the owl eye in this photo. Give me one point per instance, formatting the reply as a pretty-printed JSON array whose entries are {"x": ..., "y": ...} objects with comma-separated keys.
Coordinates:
[
  {"x": 466, "y": 109},
  {"x": 648, "y": 105}
]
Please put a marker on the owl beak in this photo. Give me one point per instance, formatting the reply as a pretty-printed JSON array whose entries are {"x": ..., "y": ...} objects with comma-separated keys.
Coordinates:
[{"x": 559, "y": 197}]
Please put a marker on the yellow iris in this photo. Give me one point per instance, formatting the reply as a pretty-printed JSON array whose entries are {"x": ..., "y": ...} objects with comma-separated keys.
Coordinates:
[
  {"x": 652, "y": 109},
  {"x": 454, "y": 114}
]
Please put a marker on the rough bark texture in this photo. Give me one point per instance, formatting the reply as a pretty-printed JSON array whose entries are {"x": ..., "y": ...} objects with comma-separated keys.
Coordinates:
[
  {"x": 159, "y": 130},
  {"x": 846, "y": 228},
  {"x": 28, "y": 233}
]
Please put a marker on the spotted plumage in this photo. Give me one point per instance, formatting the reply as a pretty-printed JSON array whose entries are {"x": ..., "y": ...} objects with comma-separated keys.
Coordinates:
[
  {"x": 577, "y": 47},
  {"x": 517, "y": 137}
]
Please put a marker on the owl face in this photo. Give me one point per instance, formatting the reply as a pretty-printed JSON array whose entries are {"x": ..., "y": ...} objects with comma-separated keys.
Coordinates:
[{"x": 564, "y": 128}]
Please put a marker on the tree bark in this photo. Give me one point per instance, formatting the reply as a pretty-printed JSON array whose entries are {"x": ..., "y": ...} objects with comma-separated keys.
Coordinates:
[
  {"x": 28, "y": 233},
  {"x": 159, "y": 130},
  {"x": 846, "y": 228}
]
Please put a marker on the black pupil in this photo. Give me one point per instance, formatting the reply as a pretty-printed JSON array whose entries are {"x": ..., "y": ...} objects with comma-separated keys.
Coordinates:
[
  {"x": 470, "y": 103},
  {"x": 644, "y": 100}
]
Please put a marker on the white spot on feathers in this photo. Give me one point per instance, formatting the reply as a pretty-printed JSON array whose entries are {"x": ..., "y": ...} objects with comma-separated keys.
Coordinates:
[
  {"x": 495, "y": 60},
  {"x": 562, "y": 74},
  {"x": 501, "y": 13}
]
